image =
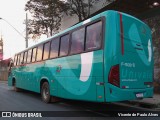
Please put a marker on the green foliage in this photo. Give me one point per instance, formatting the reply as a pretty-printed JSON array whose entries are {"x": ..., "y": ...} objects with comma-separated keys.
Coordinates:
[
  {"x": 80, "y": 7},
  {"x": 46, "y": 16}
]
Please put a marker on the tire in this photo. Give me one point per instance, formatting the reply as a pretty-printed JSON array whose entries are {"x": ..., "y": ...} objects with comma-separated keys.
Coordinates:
[
  {"x": 45, "y": 92},
  {"x": 14, "y": 87}
]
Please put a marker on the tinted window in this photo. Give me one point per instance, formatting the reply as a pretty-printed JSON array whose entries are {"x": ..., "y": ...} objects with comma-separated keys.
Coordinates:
[
  {"x": 94, "y": 36},
  {"x": 15, "y": 59},
  {"x": 46, "y": 51},
  {"x": 54, "y": 48},
  {"x": 77, "y": 45},
  {"x": 29, "y": 56},
  {"x": 34, "y": 51},
  {"x": 39, "y": 52},
  {"x": 21, "y": 58},
  {"x": 64, "y": 45},
  {"x": 25, "y": 57},
  {"x": 18, "y": 57}
]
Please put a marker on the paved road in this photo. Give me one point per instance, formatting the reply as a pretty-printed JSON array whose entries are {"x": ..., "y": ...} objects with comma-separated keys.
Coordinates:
[{"x": 29, "y": 101}]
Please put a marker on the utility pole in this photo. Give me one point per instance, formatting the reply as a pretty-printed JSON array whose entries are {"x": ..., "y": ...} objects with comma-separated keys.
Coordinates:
[
  {"x": 26, "y": 38},
  {"x": 1, "y": 48},
  {"x": 26, "y": 31}
]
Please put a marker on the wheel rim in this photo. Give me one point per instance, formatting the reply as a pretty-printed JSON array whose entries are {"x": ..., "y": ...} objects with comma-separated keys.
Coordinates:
[{"x": 45, "y": 92}]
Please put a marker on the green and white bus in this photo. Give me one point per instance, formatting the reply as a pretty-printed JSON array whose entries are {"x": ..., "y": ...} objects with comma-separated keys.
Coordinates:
[{"x": 106, "y": 58}]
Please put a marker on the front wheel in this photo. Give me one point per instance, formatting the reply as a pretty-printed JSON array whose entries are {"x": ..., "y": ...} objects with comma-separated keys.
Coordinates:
[
  {"x": 15, "y": 88},
  {"x": 45, "y": 92}
]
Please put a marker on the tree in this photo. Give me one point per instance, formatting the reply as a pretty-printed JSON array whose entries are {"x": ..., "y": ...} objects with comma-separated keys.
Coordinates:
[
  {"x": 80, "y": 7},
  {"x": 46, "y": 16}
]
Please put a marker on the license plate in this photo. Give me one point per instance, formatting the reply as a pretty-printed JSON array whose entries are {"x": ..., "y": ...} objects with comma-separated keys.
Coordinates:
[{"x": 139, "y": 95}]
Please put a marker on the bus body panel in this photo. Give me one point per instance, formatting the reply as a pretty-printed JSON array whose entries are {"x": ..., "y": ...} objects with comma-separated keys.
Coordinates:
[
  {"x": 72, "y": 79},
  {"x": 65, "y": 76},
  {"x": 135, "y": 60},
  {"x": 28, "y": 76},
  {"x": 10, "y": 78}
]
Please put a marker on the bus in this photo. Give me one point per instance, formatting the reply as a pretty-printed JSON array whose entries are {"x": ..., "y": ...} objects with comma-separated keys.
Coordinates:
[{"x": 106, "y": 58}]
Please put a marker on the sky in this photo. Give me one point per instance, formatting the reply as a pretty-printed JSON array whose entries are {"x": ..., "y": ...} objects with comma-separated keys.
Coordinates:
[{"x": 13, "y": 12}]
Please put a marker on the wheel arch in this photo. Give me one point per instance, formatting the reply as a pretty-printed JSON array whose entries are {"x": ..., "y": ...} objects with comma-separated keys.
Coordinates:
[
  {"x": 13, "y": 81},
  {"x": 42, "y": 81},
  {"x": 47, "y": 98}
]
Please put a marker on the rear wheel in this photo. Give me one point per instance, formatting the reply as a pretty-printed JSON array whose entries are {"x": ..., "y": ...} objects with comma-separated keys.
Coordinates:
[{"x": 45, "y": 92}]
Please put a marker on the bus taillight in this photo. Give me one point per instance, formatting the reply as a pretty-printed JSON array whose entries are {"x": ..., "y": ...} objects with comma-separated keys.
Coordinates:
[{"x": 114, "y": 76}]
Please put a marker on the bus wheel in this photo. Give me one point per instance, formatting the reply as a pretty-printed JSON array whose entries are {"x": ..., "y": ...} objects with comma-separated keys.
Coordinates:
[
  {"x": 14, "y": 87},
  {"x": 45, "y": 92}
]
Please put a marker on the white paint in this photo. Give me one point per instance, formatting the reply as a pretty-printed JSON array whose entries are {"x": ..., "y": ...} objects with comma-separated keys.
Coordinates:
[
  {"x": 149, "y": 51},
  {"x": 86, "y": 21},
  {"x": 86, "y": 66}
]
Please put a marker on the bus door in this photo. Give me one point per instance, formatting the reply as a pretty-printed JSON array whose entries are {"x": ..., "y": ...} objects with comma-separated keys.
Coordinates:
[
  {"x": 98, "y": 72},
  {"x": 92, "y": 76},
  {"x": 94, "y": 42}
]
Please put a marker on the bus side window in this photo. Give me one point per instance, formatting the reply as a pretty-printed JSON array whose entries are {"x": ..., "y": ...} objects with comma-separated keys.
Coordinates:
[
  {"x": 25, "y": 57},
  {"x": 21, "y": 58},
  {"x": 34, "y": 51},
  {"x": 46, "y": 50},
  {"x": 77, "y": 45},
  {"x": 94, "y": 36},
  {"x": 18, "y": 57},
  {"x": 29, "y": 56},
  {"x": 15, "y": 60},
  {"x": 64, "y": 45},
  {"x": 54, "y": 48},
  {"x": 39, "y": 53}
]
